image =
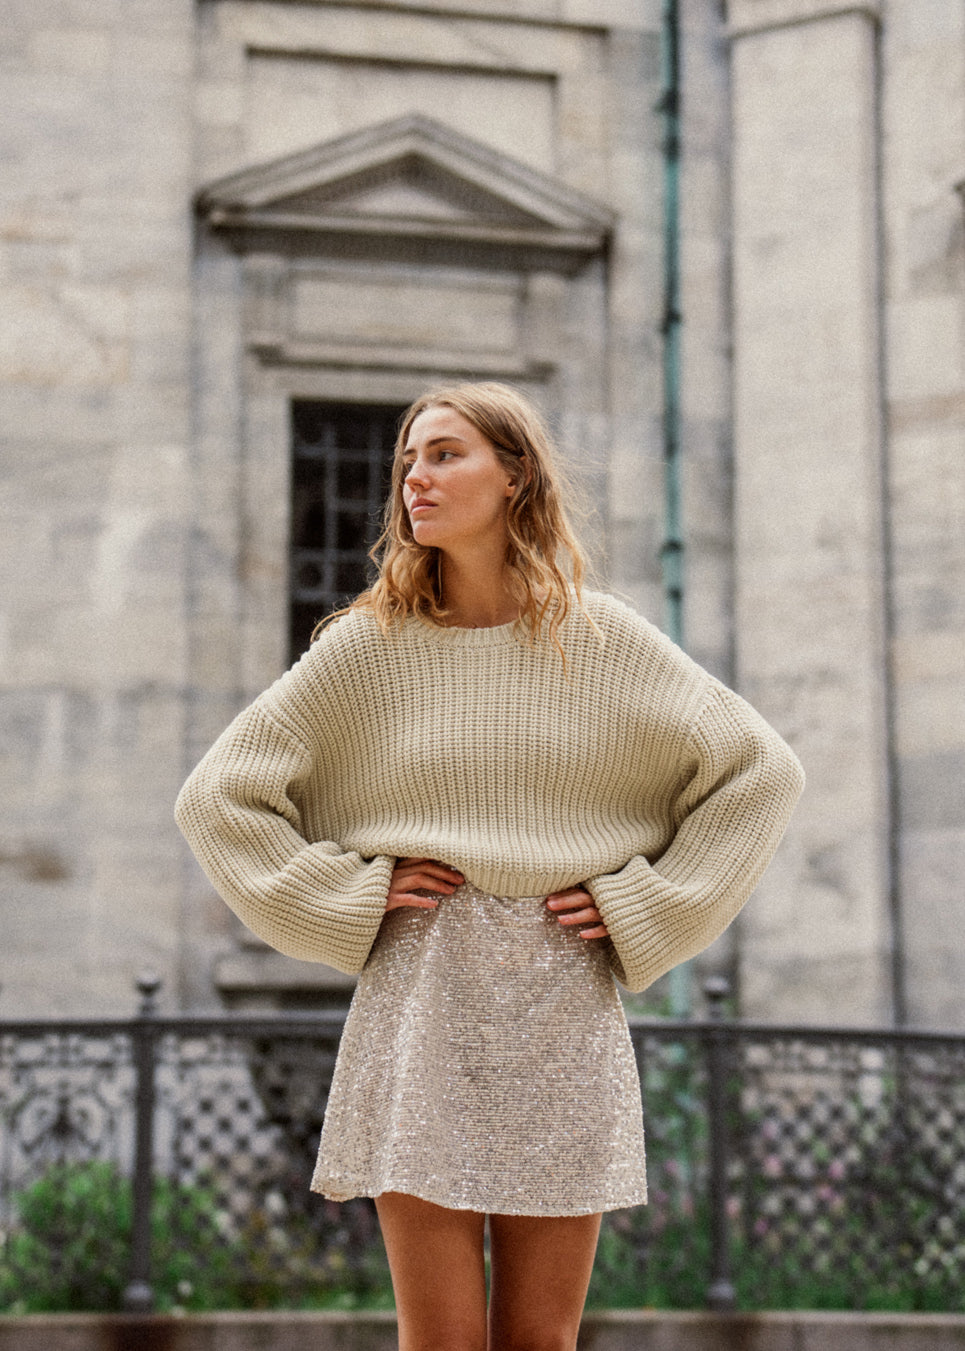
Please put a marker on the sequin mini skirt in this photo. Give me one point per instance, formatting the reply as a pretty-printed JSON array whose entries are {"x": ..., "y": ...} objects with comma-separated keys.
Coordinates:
[{"x": 485, "y": 1065}]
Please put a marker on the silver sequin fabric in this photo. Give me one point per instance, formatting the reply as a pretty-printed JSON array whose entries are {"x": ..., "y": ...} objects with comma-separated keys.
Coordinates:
[{"x": 485, "y": 1065}]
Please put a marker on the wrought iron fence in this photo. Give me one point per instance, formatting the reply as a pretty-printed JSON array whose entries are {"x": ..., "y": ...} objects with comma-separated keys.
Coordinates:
[{"x": 163, "y": 1162}]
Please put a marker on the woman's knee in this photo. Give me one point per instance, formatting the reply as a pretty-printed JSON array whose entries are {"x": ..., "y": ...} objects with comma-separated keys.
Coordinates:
[
  {"x": 534, "y": 1339},
  {"x": 441, "y": 1335}
]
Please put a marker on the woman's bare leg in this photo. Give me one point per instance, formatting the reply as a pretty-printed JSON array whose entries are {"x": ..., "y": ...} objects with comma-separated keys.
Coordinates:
[
  {"x": 540, "y": 1273},
  {"x": 438, "y": 1273}
]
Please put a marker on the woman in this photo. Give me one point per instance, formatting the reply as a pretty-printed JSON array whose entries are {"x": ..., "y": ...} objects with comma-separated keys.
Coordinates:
[{"x": 484, "y": 788}]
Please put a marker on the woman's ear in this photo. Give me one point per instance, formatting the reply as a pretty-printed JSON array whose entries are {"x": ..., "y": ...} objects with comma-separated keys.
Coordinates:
[{"x": 527, "y": 469}]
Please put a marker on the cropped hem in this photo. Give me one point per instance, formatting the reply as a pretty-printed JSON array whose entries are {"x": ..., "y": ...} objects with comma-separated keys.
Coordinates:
[{"x": 499, "y": 1207}]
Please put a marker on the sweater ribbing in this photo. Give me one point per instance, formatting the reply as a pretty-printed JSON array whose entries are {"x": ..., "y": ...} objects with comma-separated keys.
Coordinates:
[{"x": 631, "y": 770}]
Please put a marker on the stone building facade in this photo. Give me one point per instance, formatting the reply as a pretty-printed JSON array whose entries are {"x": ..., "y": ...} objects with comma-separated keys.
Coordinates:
[{"x": 236, "y": 236}]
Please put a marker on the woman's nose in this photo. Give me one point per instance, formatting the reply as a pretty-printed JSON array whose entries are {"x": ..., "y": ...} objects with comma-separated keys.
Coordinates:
[{"x": 416, "y": 473}]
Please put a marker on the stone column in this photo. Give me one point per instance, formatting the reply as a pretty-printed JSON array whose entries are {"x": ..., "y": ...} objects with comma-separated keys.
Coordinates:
[{"x": 809, "y": 559}]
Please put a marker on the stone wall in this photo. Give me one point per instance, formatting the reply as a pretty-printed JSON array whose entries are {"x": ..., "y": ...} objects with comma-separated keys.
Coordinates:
[
  {"x": 146, "y": 413},
  {"x": 923, "y": 134},
  {"x": 95, "y": 353},
  {"x": 148, "y": 355},
  {"x": 849, "y": 539}
]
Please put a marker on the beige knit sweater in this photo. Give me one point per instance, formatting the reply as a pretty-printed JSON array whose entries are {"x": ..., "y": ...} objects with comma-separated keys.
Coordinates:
[{"x": 632, "y": 770}]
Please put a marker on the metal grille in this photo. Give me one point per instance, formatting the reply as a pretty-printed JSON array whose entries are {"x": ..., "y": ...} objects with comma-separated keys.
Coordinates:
[
  {"x": 64, "y": 1095},
  {"x": 237, "y": 1120},
  {"x": 66, "y": 1130},
  {"x": 341, "y": 465},
  {"x": 847, "y": 1170},
  {"x": 838, "y": 1181},
  {"x": 659, "y": 1256},
  {"x": 234, "y": 1110},
  {"x": 168, "y": 1160}
]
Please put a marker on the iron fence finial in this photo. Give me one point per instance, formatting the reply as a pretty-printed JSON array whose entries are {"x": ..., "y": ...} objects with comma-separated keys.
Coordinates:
[
  {"x": 148, "y": 983},
  {"x": 716, "y": 990}
]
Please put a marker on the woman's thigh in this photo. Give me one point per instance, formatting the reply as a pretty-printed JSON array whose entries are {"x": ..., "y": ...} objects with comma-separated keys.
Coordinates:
[
  {"x": 438, "y": 1273},
  {"x": 540, "y": 1273}
]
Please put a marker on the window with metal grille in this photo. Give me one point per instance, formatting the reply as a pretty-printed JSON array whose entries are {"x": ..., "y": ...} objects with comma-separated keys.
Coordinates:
[{"x": 341, "y": 466}]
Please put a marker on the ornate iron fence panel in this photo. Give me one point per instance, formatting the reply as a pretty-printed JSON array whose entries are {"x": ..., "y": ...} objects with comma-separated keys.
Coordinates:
[
  {"x": 238, "y": 1113},
  {"x": 165, "y": 1162},
  {"x": 66, "y": 1135},
  {"x": 65, "y": 1096},
  {"x": 847, "y": 1169},
  {"x": 659, "y": 1255}
]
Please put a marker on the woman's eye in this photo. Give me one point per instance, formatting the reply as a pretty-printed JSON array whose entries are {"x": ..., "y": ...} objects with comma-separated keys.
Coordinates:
[{"x": 437, "y": 457}]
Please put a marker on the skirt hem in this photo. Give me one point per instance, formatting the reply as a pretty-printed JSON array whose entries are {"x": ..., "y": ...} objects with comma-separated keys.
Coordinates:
[{"x": 347, "y": 1192}]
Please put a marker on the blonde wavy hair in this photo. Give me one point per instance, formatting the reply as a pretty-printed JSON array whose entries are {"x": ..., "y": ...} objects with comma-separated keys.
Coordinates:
[{"x": 546, "y": 563}]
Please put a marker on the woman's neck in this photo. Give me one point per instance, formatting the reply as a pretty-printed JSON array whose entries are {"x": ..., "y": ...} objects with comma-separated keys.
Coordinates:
[{"x": 477, "y": 595}]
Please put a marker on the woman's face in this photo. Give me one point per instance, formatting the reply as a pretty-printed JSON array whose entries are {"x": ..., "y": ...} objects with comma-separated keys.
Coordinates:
[{"x": 455, "y": 490}]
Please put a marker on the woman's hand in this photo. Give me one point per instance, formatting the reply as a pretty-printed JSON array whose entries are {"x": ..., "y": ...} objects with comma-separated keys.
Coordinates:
[
  {"x": 576, "y": 906},
  {"x": 420, "y": 874}
]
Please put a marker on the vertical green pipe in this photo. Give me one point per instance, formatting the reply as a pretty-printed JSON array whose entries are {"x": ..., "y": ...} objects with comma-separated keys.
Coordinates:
[
  {"x": 672, "y": 549},
  {"x": 671, "y": 553}
]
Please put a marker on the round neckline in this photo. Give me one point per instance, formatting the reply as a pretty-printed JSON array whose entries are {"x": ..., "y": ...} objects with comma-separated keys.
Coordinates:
[{"x": 494, "y": 635}]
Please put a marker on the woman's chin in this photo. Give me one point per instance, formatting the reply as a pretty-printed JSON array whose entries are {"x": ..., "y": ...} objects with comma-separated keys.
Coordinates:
[{"x": 423, "y": 533}]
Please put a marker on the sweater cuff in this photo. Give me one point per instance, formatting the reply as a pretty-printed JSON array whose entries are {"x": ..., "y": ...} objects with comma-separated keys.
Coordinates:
[
  {"x": 635, "y": 905},
  {"x": 340, "y": 930},
  {"x": 319, "y": 909}
]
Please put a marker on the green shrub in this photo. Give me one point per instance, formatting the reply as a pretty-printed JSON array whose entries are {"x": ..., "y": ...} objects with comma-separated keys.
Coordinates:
[
  {"x": 70, "y": 1247},
  {"x": 872, "y": 1239},
  {"x": 328, "y": 1256}
]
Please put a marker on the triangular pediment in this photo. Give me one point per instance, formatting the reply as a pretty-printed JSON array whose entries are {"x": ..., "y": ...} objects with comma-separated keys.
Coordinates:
[
  {"x": 410, "y": 187},
  {"x": 410, "y": 176}
]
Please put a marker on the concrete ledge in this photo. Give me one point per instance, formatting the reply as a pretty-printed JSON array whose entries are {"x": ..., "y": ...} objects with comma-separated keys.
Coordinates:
[
  {"x": 653, "y": 1331},
  {"x": 747, "y": 17},
  {"x": 617, "y": 1331}
]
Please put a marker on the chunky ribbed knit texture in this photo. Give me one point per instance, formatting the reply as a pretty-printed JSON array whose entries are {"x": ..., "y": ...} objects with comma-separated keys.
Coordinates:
[{"x": 631, "y": 770}]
